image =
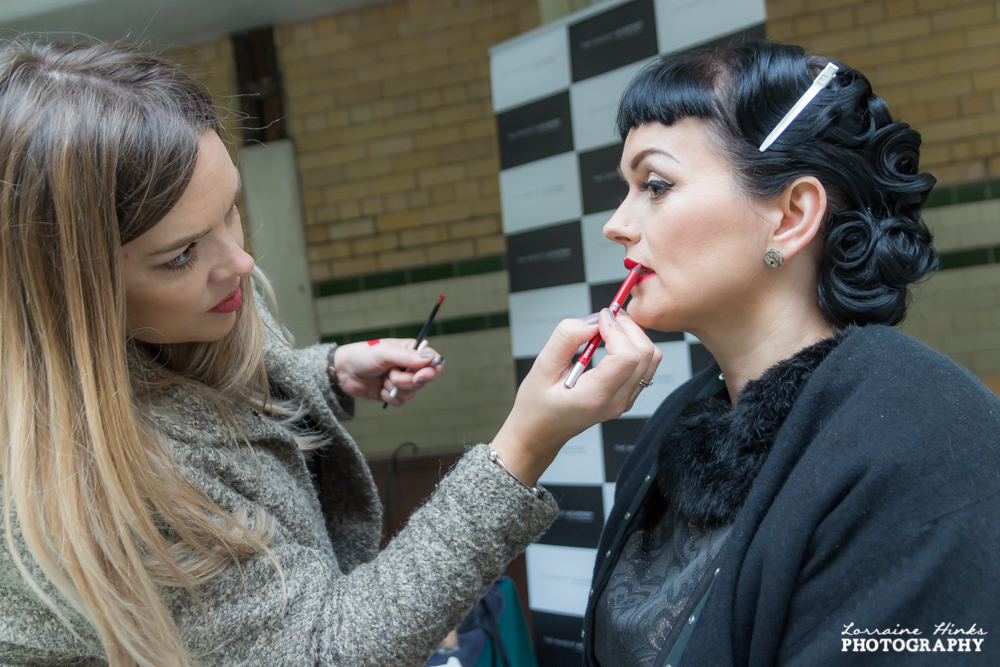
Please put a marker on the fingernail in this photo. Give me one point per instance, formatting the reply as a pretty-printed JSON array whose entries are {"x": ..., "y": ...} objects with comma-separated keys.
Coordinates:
[
  {"x": 392, "y": 394},
  {"x": 421, "y": 380},
  {"x": 592, "y": 318},
  {"x": 426, "y": 355},
  {"x": 437, "y": 361},
  {"x": 422, "y": 345},
  {"x": 607, "y": 312}
]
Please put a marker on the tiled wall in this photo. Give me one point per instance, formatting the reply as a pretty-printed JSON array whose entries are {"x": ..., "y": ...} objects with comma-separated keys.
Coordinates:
[
  {"x": 937, "y": 63},
  {"x": 390, "y": 108},
  {"x": 957, "y": 311}
]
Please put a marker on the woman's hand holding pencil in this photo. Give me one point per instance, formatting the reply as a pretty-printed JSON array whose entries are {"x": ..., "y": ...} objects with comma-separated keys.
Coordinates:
[{"x": 373, "y": 369}]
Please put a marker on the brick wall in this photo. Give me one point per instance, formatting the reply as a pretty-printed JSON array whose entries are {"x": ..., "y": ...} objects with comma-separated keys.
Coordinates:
[
  {"x": 936, "y": 62},
  {"x": 212, "y": 63},
  {"x": 390, "y": 109}
]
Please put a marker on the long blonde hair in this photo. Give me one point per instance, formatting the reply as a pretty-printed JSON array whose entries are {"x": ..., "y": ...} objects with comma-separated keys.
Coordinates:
[{"x": 97, "y": 143}]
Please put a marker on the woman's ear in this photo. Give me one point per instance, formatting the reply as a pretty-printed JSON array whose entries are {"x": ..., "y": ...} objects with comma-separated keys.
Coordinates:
[{"x": 802, "y": 207}]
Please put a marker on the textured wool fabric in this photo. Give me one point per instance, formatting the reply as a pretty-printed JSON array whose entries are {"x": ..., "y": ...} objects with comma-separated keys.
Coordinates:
[
  {"x": 877, "y": 508},
  {"x": 338, "y": 600}
]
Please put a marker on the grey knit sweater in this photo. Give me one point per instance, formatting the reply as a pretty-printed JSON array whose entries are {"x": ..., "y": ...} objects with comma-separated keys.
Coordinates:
[{"x": 342, "y": 602}]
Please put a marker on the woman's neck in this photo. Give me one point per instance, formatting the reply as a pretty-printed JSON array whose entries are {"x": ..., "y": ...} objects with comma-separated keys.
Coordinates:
[{"x": 747, "y": 346}]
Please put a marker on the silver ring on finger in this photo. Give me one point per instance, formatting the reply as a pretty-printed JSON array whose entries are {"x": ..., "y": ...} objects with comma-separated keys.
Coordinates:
[{"x": 645, "y": 384}]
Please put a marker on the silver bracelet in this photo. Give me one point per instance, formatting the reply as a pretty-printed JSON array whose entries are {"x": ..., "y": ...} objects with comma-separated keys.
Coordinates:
[{"x": 496, "y": 459}]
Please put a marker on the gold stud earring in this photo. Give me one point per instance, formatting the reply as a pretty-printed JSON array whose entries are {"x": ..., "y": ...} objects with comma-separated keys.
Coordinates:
[{"x": 773, "y": 258}]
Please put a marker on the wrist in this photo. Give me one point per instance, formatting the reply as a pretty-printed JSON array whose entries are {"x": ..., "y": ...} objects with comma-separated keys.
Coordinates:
[
  {"x": 331, "y": 373},
  {"x": 524, "y": 457}
]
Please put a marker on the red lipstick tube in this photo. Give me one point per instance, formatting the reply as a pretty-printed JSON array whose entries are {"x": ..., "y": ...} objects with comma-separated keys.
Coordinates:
[{"x": 616, "y": 305}]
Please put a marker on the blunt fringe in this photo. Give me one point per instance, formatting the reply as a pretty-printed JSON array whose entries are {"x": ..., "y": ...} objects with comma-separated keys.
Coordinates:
[{"x": 876, "y": 244}]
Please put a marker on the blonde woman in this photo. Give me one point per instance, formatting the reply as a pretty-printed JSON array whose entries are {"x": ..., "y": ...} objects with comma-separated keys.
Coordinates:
[{"x": 156, "y": 501}]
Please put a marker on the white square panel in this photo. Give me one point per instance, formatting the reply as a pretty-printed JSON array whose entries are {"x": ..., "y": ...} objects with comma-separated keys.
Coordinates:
[
  {"x": 540, "y": 193},
  {"x": 603, "y": 259},
  {"x": 559, "y": 578},
  {"x": 609, "y": 501},
  {"x": 593, "y": 106},
  {"x": 673, "y": 371},
  {"x": 529, "y": 68},
  {"x": 580, "y": 461},
  {"x": 682, "y": 23},
  {"x": 534, "y": 315}
]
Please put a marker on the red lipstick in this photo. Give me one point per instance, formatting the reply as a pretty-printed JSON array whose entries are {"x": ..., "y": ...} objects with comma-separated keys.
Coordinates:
[
  {"x": 230, "y": 303},
  {"x": 647, "y": 273},
  {"x": 616, "y": 305}
]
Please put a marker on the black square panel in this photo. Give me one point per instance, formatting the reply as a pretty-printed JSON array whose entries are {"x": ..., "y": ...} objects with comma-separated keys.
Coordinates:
[
  {"x": 601, "y": 296},
  {"x": 581, "y": 516},
  {"x": 700, "y": 357},
  {"x": 613, "y": 39},
  {"x": 545, "y": 257},
  {"x": 619, "y": 436},
  {"x": 601, "y": 185},
  {"x": 557, "y": 639},
  {"x": 535, "y": 131}
]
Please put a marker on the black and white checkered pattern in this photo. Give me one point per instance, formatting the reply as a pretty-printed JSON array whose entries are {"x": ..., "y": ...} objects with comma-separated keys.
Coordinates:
[{"x": 555, "y": 93}]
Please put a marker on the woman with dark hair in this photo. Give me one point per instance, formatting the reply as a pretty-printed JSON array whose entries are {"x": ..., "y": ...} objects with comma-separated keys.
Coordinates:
[{"x": 826, "y": 492}]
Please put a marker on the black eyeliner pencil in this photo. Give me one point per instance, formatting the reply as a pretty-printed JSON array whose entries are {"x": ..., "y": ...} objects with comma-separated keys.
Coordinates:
[{"x": 424, "y": 330}]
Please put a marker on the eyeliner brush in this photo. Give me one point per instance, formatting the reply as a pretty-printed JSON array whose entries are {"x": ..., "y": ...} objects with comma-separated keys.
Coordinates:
[{"x": 420, "y": 337}]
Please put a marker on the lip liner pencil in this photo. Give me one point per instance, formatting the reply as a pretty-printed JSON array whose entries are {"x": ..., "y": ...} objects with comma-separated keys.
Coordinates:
[
  {"x": 420, "y": 337},
  {"x": 616, "y": 305}
]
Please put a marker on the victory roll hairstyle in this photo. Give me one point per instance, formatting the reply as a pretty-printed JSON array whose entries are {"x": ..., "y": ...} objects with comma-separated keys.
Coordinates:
[
  {"x": 876, "y": 244},
  {"x": 97, "y": 144}
]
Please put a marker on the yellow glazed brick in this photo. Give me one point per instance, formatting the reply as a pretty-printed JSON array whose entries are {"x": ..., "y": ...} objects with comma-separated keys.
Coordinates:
[
  {"x": 984, "y": 35},
  {"x": 869, "y": 12},
  {"x": 907, "y": 28},
  {"x": 398, "y": 259},
  {"x": 442, "y": 194},
  {"x": 491, "y": 245},
  {"x": 780, "y": 9},
  {"x": 962, "y": 17},
  {"x": 369, "y": 244},
  {"x": 899, "y": 8},
  {"x": 438, "y": 175},
  {"x": 445, "y": 252},
  {"x": 423, "y": 236},
  {"x": 391, "y": 221}
]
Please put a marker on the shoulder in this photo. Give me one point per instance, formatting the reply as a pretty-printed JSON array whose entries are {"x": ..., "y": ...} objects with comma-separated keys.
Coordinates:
[
  {"x": 888, "y": 416},
  {"x": 884, "y": 368}
]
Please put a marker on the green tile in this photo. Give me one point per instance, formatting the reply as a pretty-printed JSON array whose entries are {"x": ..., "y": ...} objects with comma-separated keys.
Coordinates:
[
  {"x": 498, "y": 320},
  {"x": 407, "y": 330},
  {"x": 383, "y": 280},
  {"x": 333, "y": 287},
  {"x": 339, "y": 339},
  {"x": 464, "y": 325},
  {"x": 959, "y": 259},
  {"x": 437, "y": 272},
  {"x": 472, "y": 267},
  {"x": 993, "y": 189},
  {"x": 970, "y": 192},
  {"x": 940, "y": 196}
]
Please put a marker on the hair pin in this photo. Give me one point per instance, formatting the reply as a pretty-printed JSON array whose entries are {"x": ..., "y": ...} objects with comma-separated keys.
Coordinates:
[{"x": 821, "y": 82}]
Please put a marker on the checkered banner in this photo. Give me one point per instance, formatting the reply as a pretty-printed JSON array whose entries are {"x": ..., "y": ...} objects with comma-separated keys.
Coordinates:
[{"x": 555, "y": 93}]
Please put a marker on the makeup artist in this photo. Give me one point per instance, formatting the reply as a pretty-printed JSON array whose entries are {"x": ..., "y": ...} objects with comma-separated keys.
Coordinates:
[
  {"x": 827, "y": 492},
  {"x": 153, "y": 422}
]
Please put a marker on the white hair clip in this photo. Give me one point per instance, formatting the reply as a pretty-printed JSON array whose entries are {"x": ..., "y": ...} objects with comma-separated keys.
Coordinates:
[{"x": 821, "y": 82}]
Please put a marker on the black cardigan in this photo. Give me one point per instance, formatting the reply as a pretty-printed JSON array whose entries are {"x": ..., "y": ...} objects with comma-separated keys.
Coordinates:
[{"x": 876, "y": 509}]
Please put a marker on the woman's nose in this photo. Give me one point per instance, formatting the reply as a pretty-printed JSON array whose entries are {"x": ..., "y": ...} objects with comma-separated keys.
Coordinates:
[
  {"x": 235, "y": 262},
  {"x": 618, "y": 228}
]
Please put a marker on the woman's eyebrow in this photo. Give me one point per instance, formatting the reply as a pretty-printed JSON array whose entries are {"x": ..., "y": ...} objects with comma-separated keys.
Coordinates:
[{"x": 642, "y": 155}]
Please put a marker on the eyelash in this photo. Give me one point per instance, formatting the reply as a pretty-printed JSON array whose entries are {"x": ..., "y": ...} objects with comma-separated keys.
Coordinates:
[
  {"x": 651, "y": 186},
  {"x": 187, "y": 263}
]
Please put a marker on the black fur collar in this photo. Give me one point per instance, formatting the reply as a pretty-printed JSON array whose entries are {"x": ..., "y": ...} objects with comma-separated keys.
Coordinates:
[{"x": 711, "y": 457}]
